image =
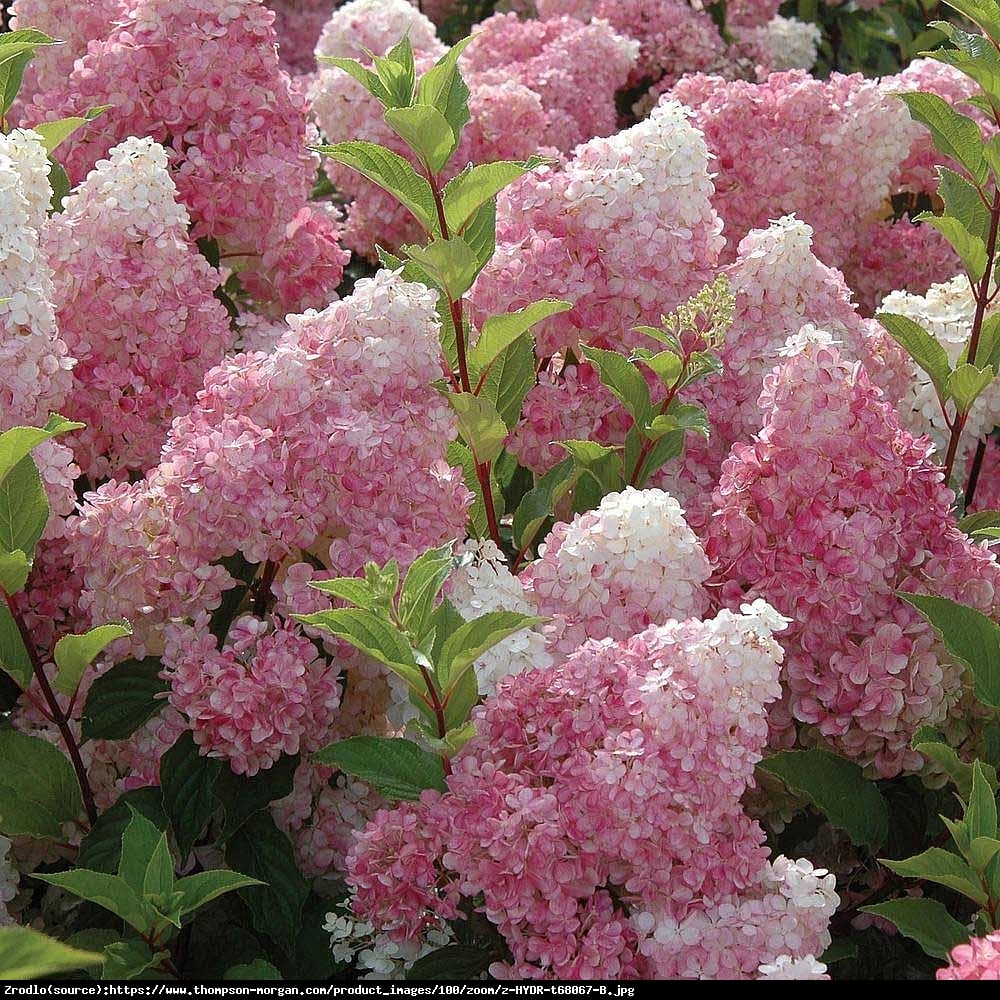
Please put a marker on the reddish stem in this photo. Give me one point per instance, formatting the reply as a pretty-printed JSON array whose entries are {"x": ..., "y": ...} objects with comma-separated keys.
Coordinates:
[{"x": 58, "y": 716}]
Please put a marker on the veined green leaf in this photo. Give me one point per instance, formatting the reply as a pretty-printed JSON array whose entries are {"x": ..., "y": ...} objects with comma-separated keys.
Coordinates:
[
  {"x": 24, "y": 507},
  {"x": 14, "y": 569},
  {"x": 396, "y": 768},
  {"x": 349, "y": 588},
  {"x": 442, "y": 87},
  {"x": 540, "y": 502},
  {"x": 469, "y": 190},
  {"x": 18, "y": 442},
  {"x": 926, "y": 921},
  {"x": 921, "y": 346},
  {"x": 625, "y": 382},
  {"x": 55, "y": 133},
  {"x": 74, "y": 653},
  {"x": 969, "y": 248},
  {"x": 369, "y": 80},
  {"x": 38, "y": 787},
  {"x": 466, "y": 644},
  {"x": 27, "y": 954},
  {"x": 14, "y": 658},
  {"x": 499, "y": 332},
  {"x": 426, "y": 131},
  {"x": 941, "y": 866},
  {"x": 954, "y": 134},
  {"x": 452, "y": 264},
  {"x": 967, "y": 383},
  {"x": 479, "y": 423},
  {"x": 421, "y": 586},
  {"x": 110, "y": 891}
]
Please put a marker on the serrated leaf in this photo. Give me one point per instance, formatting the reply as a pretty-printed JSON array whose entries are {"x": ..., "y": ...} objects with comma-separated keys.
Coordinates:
[
  {"x": 201, "y": 888},
  {"x": 397, "y": 72},
  {"x": 348, "y": 588},
  {"x": 925, "y": 921},
  {"x": 929, "y": 355},
  {"x": 480, "y": 233},
  {"x": 187, "y": 782},
  {"x": 426, "y": 131},
  {"x": 988, "y": 348},
  {"x": 930, "y": 744},
  {"x": 101, "y": 849},
  {"x": 242, "y": 797},
  {"x": 452, "y": 264},
  {"x": 442, "y": 87},
  {"x": 942, "y": 867},
  {"x": 666, "y": 365},
  {"x": 372, "y": 635},
  {"x": 369, "y": 80},
  {"x": 510, "y": 378},
  {"x": 499, "y": 332},
  {"x": 55, "y": 133},
  {"x": 954, "y": 134},
  {"x": 393, "y": 174},
  {"x": 985, "y": 13},
  {"x": 423, "y": 582},
  {"x": 140, "y": 842},
  {"x": 123, "y": 699},
  {"x": 479, "y": 424},
  {"x": 466, "y": 644},
  {"x": 604, "y": 464},
  {"x": 38, "y": 787},
  {"x": 540, "y": 502},
  {"x": 18, "y": 442},
  {"x": 27, "y": 954},
  {"x": 109, "y": 891},
  {"x": 130, "y": 960},
  {"x": 396, "y": 768},
  {"x": 837, "y": 788},
  {"x": 260, "y": 850},
  {"x": 968, "y": 635},
  {"x": 14, "y": 569},
  {"x": 625, "y": 382},
  {"x": 452, "y": 962},
  {"x": 680, "y": 417},
  {"x": 967, "y": 383},
  {"x": 981, "y": 811},
  {"x": 24, "y": 507},
  {"x": 981, "y": 519},
  {"x": 74, "y": 653},
  {"x": 970, "y": 248},
  {"x": 962, "y": 201},
  {"x": 469, "y": 190}
]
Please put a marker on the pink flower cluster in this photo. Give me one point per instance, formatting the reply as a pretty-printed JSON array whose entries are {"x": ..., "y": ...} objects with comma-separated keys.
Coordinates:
[
  {"x": 298, "y": 24},
  {"x": 136, "y": 307},
  {"x": 978, "y": 960},
  {"x": 828, "y": 512},
  {"x": 626, "y": 231},
  {"x": 202, "y": 78},
  {"x": 264, "y": 694},
  {"x": 597, "y": 815}
]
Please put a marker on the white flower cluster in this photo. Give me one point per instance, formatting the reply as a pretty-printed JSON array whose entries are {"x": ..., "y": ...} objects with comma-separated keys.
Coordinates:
[
  {"x": 486, "y": 584},
  {"x": 376, "y": 26},
  {"x": 611, "y": 572},
  {"x": 946, "y": 312},
  {"x": 786, "y": 967},
  {"x": 8, "y": 881},
  {"x": 134, "y": 182},
  {"x": 782, "y": 43},
  {"x": 376, "y": 954}
]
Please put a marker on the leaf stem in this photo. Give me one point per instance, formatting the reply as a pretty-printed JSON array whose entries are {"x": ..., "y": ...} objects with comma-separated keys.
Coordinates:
[{"x": 57, "y": 714}]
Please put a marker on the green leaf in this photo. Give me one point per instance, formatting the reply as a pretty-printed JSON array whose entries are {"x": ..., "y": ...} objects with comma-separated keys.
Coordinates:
[
  {"x": 397, "y": 72},
  {"x": 969, "y": 248},
  {"x": 480, "y": 233},
  {"x": 469, "y": 190},
  {"x": 392, "y": 173},
  {"x": 142, "y": 858},
  {"x": 466, "y": 644},
  {"x": 929, "y": 355},
  {"x": 26, "y": 954},
  {"x": 625, "y": 382},
  {"x": 981, "y": 851},
  {"x": 540, "y": 502},
  {"x": 101, "y": 849},
  {"x": 55, "y": 133},
  {"x": 499, "y": 332},
  {"x": 452, "y": 264},
  {"x": 954, "y": 134},
  {"x": 981, "y": 812},
  {"x": 453, "y": 961},
  {"x": 38, "y": 787},
  {"x": 130, "y": 960},
  {"x": 442, "y": 87},
  {"x": 74, "y": 653},
  {"x": 372, "y": 635},
  {"x": 109, "y": 891},
  {"x": 18, "y": 442},
  {"x": 962, "y": 201},
  {"x": 197, "y": 890},
  {"x": 925, "y": 921},
  {"x": 510, "y": 377},
  {"x": 941, "y": 866},
  {"x": 349, "y": 588},
  {"x": 187, "y": 781},
  {"x": 604, "y": 464},
  {"x": 14, "y": 658},
  {"x": 259, "y": 968},
  {"x": 988, "y": 349},
  {"x": 260, "y": 850},
  {"x": 396, "y": 768},
  {"x": 981, "y": 519},
  {"x": 61, "y": 185},
  {"x": 14, "y": 570},
  {"x": 930, "y": 744},
  {"x": 242, "y": 797},
  {"x": 837, "y": 788},
  {"x": 369, "y": 80},
  {"x": 968, "y": 635},
  {"x": 680, "y": 417},
  {"x": 426, "y": 131},
  {"x": 479, "y": 424},
  {"x": 665, "y": 364},
  {"x": 966, "y": 383},
  {"x": 421, "y": 586},
  {"x": 24, "y": 507},
  {"x": 985, "y": 13},
  {"x": 123, "y": 699}
]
